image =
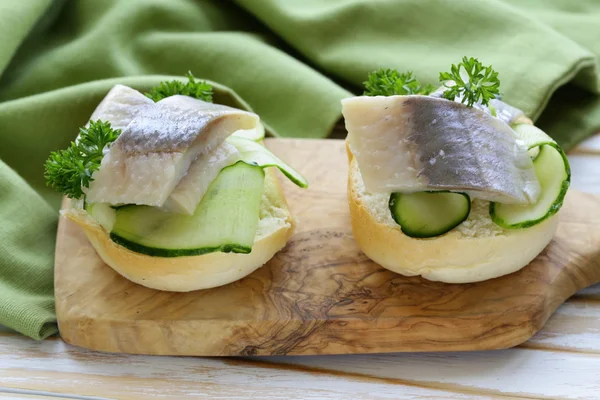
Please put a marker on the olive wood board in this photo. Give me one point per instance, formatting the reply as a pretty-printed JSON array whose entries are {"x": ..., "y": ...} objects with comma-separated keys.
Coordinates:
[{"x": 321, "y": 294}]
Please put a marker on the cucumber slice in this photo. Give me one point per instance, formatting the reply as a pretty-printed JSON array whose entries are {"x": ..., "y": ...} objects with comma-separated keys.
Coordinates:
[
  {"x": 552, "y": 170},
  {"x": 533, "y": 153},
  {"x": 253, "y": 152},
  {"x": 429, "y": 214},
  {"x": 257, "y": 134},
  {"x": 103, "y": 213},
  {"x": 532, "y": 136},
  {"x": 226, "y": 219}
]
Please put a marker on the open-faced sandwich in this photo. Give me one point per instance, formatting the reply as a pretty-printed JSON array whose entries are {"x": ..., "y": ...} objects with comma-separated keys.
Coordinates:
[
  {"x": 173, "y": 191},
  {"x": 451, "y": 184}
]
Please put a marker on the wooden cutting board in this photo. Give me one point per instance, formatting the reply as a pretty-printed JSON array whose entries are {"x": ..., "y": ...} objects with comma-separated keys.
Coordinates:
[{"x": 321, "y": 295}]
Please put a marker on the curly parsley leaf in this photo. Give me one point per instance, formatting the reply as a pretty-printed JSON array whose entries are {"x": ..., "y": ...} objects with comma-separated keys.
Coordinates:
[
  {"x": 196, "y": 89},
  {"x": 427, "y": 89},
  {"x": 471, "y": 82},
  {"x": 68, "y": 171},
  {"x": 389, "y": 82}
]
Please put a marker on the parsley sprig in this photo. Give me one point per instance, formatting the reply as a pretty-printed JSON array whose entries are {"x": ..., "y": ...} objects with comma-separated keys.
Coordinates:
[
  {"x": 196, "y": 89},
  {"x": 389, "y": 82},
  {"x": 67, "y": 171},
  {"x": 471, "y": 82}
]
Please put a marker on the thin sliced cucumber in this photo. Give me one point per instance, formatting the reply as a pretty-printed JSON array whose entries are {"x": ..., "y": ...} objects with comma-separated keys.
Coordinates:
[
  {"x": 534, "y": 152},
  {"x": 103, "y": 213},
  {"x": 257, "y": 134},
  {"x": 429, "y": 214},
  {"x": 532, "y": 136},
  {"x": 552, "y": 170},
  {"x": 226, "y": 219},
  {"x": 253, "y": 152}
]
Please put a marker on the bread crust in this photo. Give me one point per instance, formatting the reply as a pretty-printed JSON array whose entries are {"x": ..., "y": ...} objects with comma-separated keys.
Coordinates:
[
  {"x": 452, "y": 257},
  {"x": 184, "y": 274}
]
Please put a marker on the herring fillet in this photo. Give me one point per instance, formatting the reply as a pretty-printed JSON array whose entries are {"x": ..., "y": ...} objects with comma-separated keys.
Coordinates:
[
  {"x": 119, "y": 106},
  {"x": 145, "y": 164},
  {"x": 506, "y": 112},
  {"x": 193, "y": 186},
  {"x": 417, "y": 143}
]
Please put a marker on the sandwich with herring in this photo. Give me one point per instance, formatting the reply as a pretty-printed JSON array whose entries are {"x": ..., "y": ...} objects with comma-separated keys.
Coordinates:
[
  {"x": 175, "y": 192},
  {"x": 451, "y": 184}
]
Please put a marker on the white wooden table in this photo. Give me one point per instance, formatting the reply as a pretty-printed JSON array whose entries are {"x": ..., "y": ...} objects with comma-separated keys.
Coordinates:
[{"x": 560, "y": 362}]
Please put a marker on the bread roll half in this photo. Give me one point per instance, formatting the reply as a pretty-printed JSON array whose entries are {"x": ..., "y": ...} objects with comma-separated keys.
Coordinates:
[
  {"x": 476, "y": 250},
  {"x": 184, "y": 274}
]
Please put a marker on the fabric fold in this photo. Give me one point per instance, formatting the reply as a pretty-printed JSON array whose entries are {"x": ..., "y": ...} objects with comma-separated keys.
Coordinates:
[
  {"x": 27, "y": 235},
  {"x": 17, "y": 19},
  {"x": 533, "y": 49}
]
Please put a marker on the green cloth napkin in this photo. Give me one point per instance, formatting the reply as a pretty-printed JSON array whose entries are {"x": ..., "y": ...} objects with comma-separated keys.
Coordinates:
[{"x": 291, "y": 61}]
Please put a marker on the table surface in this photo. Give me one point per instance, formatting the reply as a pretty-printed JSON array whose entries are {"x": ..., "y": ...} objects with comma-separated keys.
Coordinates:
[{"x": 562, "y": 361}]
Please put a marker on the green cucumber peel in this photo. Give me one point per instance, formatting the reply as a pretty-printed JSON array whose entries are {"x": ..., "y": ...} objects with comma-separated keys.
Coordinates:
[
  {"x": 158, "y": 252},
  {"x": 496, "y": 210},
  {"x": 253, "y": 152},
  {"x": 257, "y": 134}
]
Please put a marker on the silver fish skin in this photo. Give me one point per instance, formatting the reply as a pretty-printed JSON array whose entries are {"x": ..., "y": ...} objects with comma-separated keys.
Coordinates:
[
  {"x": 418, "y": 143},
  {"x": 152, "y": 154}
]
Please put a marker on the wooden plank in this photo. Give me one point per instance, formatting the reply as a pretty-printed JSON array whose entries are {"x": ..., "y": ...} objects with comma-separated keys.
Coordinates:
[
  {"x": 56, "y": 367},
  {"x": 589, "y": 293},
  {"x": 5, "y": 329},
  {"x": 585, "y": 172},
  {"x": 19, "y": 396},
  {"x": 574, "y": 327},
  {"x": 24, "y": 394},
  {"x": 513, "y": 372},
  {"x": 589, "y": 146}
]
